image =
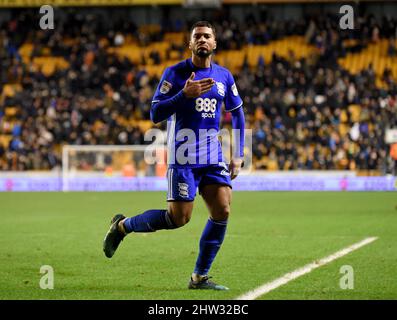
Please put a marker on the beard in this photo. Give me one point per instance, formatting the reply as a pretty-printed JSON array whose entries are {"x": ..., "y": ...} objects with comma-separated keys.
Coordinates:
[{"x": 203, "y": 53}]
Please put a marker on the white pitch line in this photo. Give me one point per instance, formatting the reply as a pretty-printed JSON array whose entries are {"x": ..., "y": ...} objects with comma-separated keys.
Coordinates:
[{"x": 267, "y": 287}]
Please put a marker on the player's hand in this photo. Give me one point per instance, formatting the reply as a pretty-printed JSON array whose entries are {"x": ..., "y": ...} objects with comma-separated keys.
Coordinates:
[
  {"x": 194, "y": 89},
  {"x": 235, "y": 167}
]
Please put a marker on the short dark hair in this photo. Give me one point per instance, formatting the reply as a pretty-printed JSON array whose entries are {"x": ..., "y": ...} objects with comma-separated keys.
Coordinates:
[{"x": 203, "y": 23}]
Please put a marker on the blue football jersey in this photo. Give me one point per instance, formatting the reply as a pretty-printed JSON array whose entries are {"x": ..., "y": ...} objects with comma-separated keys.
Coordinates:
[{"x": 194, "y": 128}]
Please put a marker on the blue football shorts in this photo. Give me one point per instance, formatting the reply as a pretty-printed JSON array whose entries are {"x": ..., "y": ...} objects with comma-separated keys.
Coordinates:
[{"x": 183, "y": 182}]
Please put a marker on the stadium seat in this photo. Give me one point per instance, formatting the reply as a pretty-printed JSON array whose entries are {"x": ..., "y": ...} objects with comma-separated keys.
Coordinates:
[
  {"x": 10, "y": 89},
  {"x": 5, "y": 139},
  {"x": 49, "y": 65},
  {"x": 355, "y": 111},
  {"x": 375, "y": 53},
  {"x": 174, "y": 37}
]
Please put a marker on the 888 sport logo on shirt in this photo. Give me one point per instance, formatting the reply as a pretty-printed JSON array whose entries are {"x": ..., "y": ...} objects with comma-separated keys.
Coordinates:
[{"x": 206, "y": 106}]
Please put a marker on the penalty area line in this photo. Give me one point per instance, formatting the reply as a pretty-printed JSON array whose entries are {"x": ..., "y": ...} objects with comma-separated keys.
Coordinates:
[{"x": 267, "y": 287}]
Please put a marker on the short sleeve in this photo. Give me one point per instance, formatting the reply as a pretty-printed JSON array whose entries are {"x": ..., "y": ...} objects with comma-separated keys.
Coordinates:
[{"x": 233, "y": 99}]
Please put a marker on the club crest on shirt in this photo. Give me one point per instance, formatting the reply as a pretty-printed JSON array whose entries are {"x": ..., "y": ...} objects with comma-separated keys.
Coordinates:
[
  {"x": 234, "y": 89},
  {"x": 221, "y": 88},
  {"x": 165, "y": 87}
]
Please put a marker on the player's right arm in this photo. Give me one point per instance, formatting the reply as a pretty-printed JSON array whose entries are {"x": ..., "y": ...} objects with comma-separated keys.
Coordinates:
[{"x": 165, "y": 102}]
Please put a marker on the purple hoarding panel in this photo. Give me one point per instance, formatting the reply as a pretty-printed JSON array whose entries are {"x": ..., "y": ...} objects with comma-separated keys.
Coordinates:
[
  {"x": 242, "y": 183},
  {"x": 30, "y": 184}
]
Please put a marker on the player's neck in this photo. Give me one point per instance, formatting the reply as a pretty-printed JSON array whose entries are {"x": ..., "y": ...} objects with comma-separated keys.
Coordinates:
[{"x": 201, "y": 62}]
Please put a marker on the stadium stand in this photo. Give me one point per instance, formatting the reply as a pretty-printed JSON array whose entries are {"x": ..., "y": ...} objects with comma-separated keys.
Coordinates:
[{"x": 315, "y": 98}]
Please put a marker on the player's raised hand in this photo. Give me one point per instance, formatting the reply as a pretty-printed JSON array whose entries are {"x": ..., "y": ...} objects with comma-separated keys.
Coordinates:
[{"x": 194, "y": 89}]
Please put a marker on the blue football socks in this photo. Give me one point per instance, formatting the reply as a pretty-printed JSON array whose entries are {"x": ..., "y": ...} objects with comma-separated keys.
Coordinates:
[
  {"x": 210, "y": 242},
  {"x": 149, "y": 221}
]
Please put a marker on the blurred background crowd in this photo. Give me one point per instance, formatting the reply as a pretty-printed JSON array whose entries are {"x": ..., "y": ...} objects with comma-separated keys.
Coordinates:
[{"x": 91, "y": 80}]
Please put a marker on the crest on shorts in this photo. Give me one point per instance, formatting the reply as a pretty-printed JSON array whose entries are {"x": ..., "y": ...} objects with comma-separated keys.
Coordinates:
[
  {"x": 221, "y": 88},
  {"x": 165, "y": 87},
  {"x": 225, "y": 171},
  {"x": 222, "y": 164},
  {"x": 183, "y": 190},
  {"x": 234, "y": 89}
]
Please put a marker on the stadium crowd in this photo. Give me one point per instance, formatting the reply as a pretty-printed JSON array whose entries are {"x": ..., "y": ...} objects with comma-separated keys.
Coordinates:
[{"x": 303, "y": 112}]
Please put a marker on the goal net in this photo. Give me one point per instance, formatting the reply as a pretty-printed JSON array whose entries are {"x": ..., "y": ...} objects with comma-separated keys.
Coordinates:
[
  {"x": 92, "y": 164},
  {"x": 111, "y": 167}
]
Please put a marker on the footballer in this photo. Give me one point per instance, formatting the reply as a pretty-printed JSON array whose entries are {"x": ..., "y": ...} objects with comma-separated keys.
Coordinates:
[{"x": 190, "y": 96}]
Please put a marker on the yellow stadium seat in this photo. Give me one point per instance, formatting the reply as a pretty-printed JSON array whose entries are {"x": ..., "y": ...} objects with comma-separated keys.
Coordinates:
[
  {"x": 343, "y": 129},
  {"x": 355, "y": 111},
  {"x": 132, "y": 52},
  {"x": 5, "y": 139},
  {"x": 375, "y": 53},
  {"x": 50, "y": 64},
  {"x": 174, "y": 37},
  {"x": 9, "y": 90},
  {"x": 10, "y": 111},
  {"x": 145, "y": 125}
]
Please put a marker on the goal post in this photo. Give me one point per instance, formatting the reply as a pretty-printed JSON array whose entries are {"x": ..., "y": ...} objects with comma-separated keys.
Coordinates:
[
  {"x": 103, "y": 167},
  {"x": 111, "y": 161}
]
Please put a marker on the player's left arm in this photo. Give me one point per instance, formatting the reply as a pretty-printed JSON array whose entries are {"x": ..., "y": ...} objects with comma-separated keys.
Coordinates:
[
  {"x": 234, "y": 104},
  {"x": 238, "y": 125}
]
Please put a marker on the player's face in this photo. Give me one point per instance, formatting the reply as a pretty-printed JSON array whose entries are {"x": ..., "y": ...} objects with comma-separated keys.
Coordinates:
[{"x": 202, "y": 42}]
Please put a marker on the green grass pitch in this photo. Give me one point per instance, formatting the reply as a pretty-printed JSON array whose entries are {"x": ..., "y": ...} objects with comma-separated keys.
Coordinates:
[{"x": 269, "y": 234}]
